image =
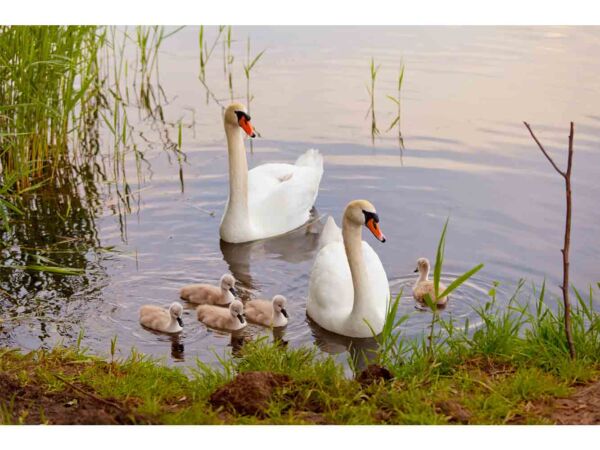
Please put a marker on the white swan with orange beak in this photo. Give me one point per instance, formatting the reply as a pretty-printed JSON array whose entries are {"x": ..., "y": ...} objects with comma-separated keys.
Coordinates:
[
  {"x": 348, "y": 291},
  {"x": 270, "y": 199}
]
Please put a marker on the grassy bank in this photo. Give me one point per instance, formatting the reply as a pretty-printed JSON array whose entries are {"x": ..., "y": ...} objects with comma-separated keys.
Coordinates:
[{"x": 512, "y": 369}]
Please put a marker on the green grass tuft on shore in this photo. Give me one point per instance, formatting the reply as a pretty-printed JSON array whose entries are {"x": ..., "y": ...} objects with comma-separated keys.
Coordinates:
[{"x": 510, "y": 370}]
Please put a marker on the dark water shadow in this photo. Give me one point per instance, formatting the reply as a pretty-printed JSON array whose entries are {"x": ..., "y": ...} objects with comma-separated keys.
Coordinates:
[{"x": 362, "y": 351}]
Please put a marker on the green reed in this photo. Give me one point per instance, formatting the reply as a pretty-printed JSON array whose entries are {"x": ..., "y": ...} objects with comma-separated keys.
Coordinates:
[
  {"x": 66, "y": 97},
  {"x": 250, "y": 63},
  {"x": 371, "y": 90},
  {"x": 48, "y": 81},
  {"x": 206, "y": 52},
  {"x": 397, "y": 101},
  {"x": 229, "y": 63}
]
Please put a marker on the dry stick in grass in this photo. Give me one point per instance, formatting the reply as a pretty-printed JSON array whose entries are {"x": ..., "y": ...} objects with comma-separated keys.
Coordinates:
[
  {"x": 565, "y": 250},
  {"x": 89, "y": 394}
]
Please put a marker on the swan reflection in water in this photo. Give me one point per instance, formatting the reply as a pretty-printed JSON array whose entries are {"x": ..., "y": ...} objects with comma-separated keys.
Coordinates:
[
  {"x": 176, "y": 341},
  {"x": 363, "y": 351},
  {"x": 177, "y": 347},
  {"x": 294, "y": 247}
]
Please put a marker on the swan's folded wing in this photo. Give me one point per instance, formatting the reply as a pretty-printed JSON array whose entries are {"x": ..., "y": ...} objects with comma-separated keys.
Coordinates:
[
  {"x": 264, "y": 179},
  {"x": 331, "y": 293},
  {"x": 280, "y": 196},
  {"x": 331, "y": 233}
]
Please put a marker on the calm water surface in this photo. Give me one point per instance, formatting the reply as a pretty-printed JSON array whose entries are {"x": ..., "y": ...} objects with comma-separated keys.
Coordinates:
[{"x": 467, "y": 156}]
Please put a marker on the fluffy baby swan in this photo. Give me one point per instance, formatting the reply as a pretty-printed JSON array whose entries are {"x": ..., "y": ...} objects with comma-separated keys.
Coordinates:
[
  {"x": 269, "y": 313},
  {"x": 224, "y": 319},
  {"x": 161, "y": 319},
  {"x": 207, "y": 294},
  {"x": 425, "y": 286}
]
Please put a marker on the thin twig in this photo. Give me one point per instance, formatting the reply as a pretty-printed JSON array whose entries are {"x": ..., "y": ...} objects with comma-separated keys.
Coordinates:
[
  {"x": 544, "y": 151},
  {"x": 567, "y": 239},
  {"x": 212, "y": 95}
]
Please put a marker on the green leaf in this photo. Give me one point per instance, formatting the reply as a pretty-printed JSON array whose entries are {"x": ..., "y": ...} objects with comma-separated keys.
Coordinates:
[
  {"x": 460, "y": 280},
  {"x": 401, "y": 78},
  {"x": 52, "y": 269},
  {"x": 396, "y": 120},
  {"x": 429, "y": 302},
  {"x": 439, "y": 259},
  {"x": 254, "y": 61},
  {"x": 394, "y": 99}
]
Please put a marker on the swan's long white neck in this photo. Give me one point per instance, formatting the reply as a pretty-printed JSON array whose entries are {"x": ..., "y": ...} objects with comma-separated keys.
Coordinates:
[
  {"x": 351, "y": 233},
  {"x": 424, "y": 274},
  {"x": 237, "y": 207}
]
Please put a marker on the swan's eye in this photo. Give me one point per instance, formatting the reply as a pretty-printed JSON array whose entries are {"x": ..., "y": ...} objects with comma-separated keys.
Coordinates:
[
  {"x": 370, "y": 215},
  {"x": 242, "y": 114}
]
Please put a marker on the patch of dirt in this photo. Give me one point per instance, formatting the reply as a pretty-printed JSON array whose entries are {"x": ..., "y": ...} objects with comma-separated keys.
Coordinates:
[
  {"x": 580, "y": 408},
  {"x": 312, "y": 417},
  {"x": 33, "y": 405},
  {"x": 455, "y": 412},
  {"x": 248, "y": 393},
  {"x": 490, "y": 366},
  {"x": 373, "y": 373},
  {"x": 383, "y": 415}
]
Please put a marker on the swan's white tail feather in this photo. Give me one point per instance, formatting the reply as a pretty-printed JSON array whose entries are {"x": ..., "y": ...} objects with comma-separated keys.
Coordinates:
[
  {"x": 331, "y": 233},
  {"x": 311, "y": 158}
]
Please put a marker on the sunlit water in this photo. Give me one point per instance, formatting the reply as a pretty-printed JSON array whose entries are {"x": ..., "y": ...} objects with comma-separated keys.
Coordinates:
[{"x": 467, "y": 156}]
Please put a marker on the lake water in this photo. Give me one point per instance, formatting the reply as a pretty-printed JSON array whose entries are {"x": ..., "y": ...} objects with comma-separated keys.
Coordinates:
[{"x": 467, "y": 156}]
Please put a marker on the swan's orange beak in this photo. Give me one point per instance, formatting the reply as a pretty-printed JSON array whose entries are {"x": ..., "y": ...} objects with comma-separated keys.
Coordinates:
[
  {"x": 374, "y": 228},
  {"x": 247, "y": 126}
]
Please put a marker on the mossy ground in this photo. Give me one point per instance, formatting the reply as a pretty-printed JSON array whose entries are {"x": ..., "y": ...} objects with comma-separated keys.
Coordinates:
[{"x": 69, "y": 386}]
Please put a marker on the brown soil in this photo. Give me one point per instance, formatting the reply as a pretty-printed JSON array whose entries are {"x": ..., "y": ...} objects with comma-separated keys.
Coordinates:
[
  {"x": 249, "y": 393},
  {"x": 455, "y": 412},
  {"x": 373, "y": 373},
  {"x": 32, "y": 405},
  {"x": 580, "y": 408}
]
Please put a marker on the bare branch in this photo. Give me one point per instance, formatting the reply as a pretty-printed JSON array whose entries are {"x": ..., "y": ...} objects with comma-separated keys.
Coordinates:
[
  {"x": 567, "y": 242},
  {"x": 563, "y": 174}
]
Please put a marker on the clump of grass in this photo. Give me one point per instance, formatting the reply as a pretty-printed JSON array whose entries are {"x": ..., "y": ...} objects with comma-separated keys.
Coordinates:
[
  {"x": 464, "y": 387},
  {"x": 48, "y": 81}
]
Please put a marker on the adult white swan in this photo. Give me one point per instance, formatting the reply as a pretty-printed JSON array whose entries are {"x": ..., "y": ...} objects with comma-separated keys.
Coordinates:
[
  {"x": 348, "y": 284},
  {"x": 270, "y": 199}
]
